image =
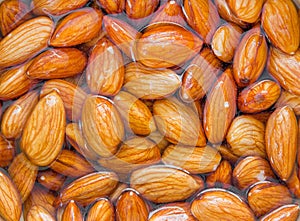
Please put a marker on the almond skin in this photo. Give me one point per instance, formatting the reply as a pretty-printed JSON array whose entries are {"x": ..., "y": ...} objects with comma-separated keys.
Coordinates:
[
  {"x": 57, "y": 63},
  {"x": 7, "y": 151},
  {"x": 281, "y": 17},
  {"x": 88, "y": 188},
  {"x": 51, "y": 180},
  {"x": 101, "y": 210},
  {"x": 265, "y": 196},
  {"x": 112, "y": 7},
  {"x": 216, "y": 204},
  {"x": 246, "y": 136},
  {"x": 289, "y": 99},
  {"x": 70, "y": 32},
  {"x": 193, "y": 159},
  {"x": 140, "y": 9},
  {"x": 16, "y": 115},
  {"x": 131, "y": 207},
  {"x": 202, "y": 16},
  {"x": 259, "y": 96},
  {"x": 284, "y": 213},
  {"x": 285, "y": 69},
  {"x": 39, "y": 213},
  {"x": 105, "y": 71},
  {"x": 44, "y": 131},
  {"x": 222, "y": 175},
  {"x": 281, "y": 141},
  {"x": 250, "y": 57},
  {"x": 220, "y": 108},
  {"x": 55, "y": 7},
  {"x": 162, "y": 184},
  {"x": 99, "y": 113},
  {"x": 25, "y": 41},
  {"x": 72, "y": 212},
  {"x": 178, "y": 122},
  {"x": 10, "y": 199},
  {"x": 166, "y": 45}
]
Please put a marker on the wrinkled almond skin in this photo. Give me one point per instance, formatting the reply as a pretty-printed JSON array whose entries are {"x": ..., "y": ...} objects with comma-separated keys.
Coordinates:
[
  {"x": 23, "y": 174},
  {"x": 112, "y": 6},
  {"x": 281, "y": 141},
  {"x": 44, "y": 131},
  {"x": 135, "y": 112},
  {"x": 199, "y": 76},
  {"x": 202, "y": 16},
  {"x": 105, "y": 71},
  {"x": 25, "y": 41},
  {"x": 285, "y": 69},
  {"x": 16, "y": 115},
  {"x": 70, "y": 164},
  {"x": 72, "y": 96},
  {"x": 222, "y": 175},
  {"x": 57, "y": 63},
  {"x": 7, "y": 151},
  {"x": 247, "y": 11},
  {"x": 250, "y": 170},
  {"x": 225, "y": 40},
  {"x": 172, "y": 212},
  {"x": 193, "y": 159},
  {"x": 280, "y": 21},
  {"x": 265, "y": 196},
  {"x": 246, "y": 136},
  {"x": 178, "y": 122},
  {"x": 258, "y": 97},
  {"x": 220, "y": 108},
  {"x": 88, "y": 188},
  {"x": 162, "y": 184},
  {"x": 101, "y": 210},
  {"x": 166, "y": 45},
  {"x": 51, "y": 180},
  {"x": 133, "y": 153},
  {"x": 12, "y": 14},
  {"x": 131, "y": 207},
  {"x": 140, "y": 9},
  {"x": 72, "y": 212},
  {"x": 55, "y": 7},
  {"x": 70, "y": 31},
  {"x": 39, "y": 213},
  {"x": 289, "y": 99},
  {"x": 10, "y": 199},
  {"x": 218, "y": 204},
  {"x": 99, "y": 113},
  {"x": 250, "y": 57},
  {"x": 148, "y": 83},
  {"x": 288, "y": 212}
]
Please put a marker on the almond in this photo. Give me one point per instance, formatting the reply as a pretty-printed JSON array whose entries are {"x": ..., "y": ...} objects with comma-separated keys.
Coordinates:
[
  {"x": 178, "y": 122},
  {"x": 16, "y": 115},
  {"x": 281, "y": 141},
  {"x": 105, "y": 71},
  {"x": 7, "y": 151},
  {"x": 284, "y": 213},
  {"x": 113, "y": 7},
  {"x": 262, "y": 116},
  {"x": 70, "y": 31},
  {"x": 101, "y": 210},
  {"x": 289, "y": 99},
  {"x": 133, "y": 153},
  {"x": 51, "y": 180},
  {"x": 39, "y": 213},
  {"x": 44, "y": 131},
  {"x": 280, "y": 21},
  {"x": 222, "y": 175},
  {"x": 220, "y": 108},
  {"x": 135, "y": 113},
  {"x": 10, "y": 199},
  {"x": 200, "y": 75},
  {"x": 102, "y": 126},
  {"x": 225, "y": 40},
  {"x": 285, "y": 69},
  {"x": 250, "y": 57},
  {"x": 264, "y": 197},
  {"x": 12, "y": 13},
  {"x": 140, "y": 9},
  {"x": 162, "y": 184},
  {"x": 202, "y": 16},
  {"x": 167, "y": 45},
  {"x": 293, "y": 183},
  {"x": 193, "y": 159},
  {"x": 216, "y": 204},
  {"x": 246, "y": 136},
  {"x": 72, "y": 212},
  {"x": 227, "y": 153},
  {"x": 70, "y": 164},
  {"x": 55, "y": 7},
  {"x": 25, "y": 41},
  {"x": 251, "y": 170},
  {"x": 131, "y": 207},
  {"x": 88, "y": 188},
  {"x": 259, "y": 96}
]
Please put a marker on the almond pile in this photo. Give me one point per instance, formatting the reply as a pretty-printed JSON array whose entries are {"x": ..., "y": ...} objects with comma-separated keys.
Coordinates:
[{"x": 149, "y": 110}]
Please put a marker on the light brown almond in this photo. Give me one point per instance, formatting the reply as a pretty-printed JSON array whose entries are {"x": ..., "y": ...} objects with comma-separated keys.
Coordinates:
[
  {"x": 101, "y": 210},
  {"x": 293, "y": 183},
  {"x": 159, "y": 139},
  {"x": 221, "y": 176},
  {"x": 288, "y": 212},
  {"x": 72, "y": 212},
  {"x": 39, "y": 213},
  {"x": 140, "y": 9},
  {"x": 51, "y": 180},
  {"x": 113, "y": 6},
  {"x": 289, "y": 99}
]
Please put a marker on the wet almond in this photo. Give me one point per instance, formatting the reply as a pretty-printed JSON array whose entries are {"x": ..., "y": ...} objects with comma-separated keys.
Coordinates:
[
  {"x": 222, "y": 175},
  {"x": 112, "y": 7},
  {"x": 102, "y": 209},
  {"x": 140, "y": 9}
]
